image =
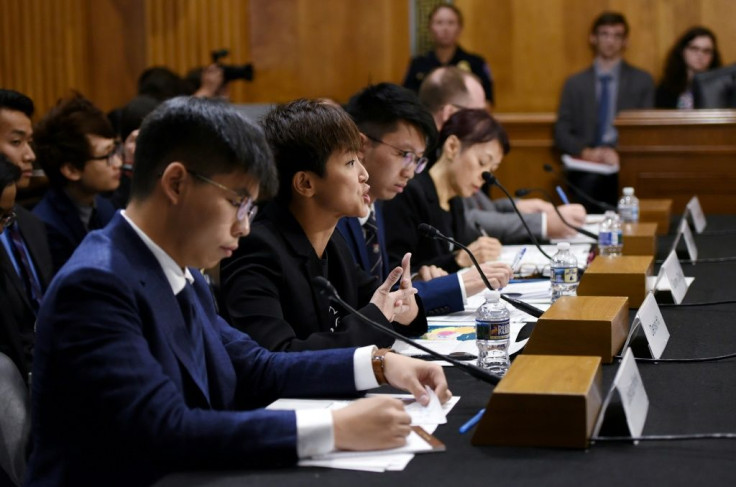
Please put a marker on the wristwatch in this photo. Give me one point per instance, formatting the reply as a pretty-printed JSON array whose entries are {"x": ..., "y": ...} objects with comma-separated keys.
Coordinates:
[{"x": 377, "y": 363}]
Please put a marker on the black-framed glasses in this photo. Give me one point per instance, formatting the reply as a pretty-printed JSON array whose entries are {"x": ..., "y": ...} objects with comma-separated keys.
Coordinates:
[
  {"x": 8, "y": 219},
  {"x": 408, "y": 156},
  {"x": 245, "y": 204},
  {"x": 117, "y": 151}
]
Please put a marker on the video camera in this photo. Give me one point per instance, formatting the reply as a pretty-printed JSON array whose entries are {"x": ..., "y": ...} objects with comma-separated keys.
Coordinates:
[{"x": 232, "y": 72}]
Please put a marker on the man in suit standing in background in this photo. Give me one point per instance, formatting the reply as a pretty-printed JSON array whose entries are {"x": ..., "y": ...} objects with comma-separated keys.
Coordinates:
[
  {"x": 136, "y": 376},
  {"x": 592, "y": 98},
  {"x": 25, "y": 259}
]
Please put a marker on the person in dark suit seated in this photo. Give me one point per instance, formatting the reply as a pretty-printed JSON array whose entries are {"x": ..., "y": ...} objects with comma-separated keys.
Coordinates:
[
  {"x": 592, "y": 98},
  {"x": 396, "y": 131},
  {"x": 136, "y": 376},
  {"x": 25, "y": 259},
  {"x": 266, "y": 286},
  {"x": 77, "y": 149},
  {"x": 445, "y": 27},
  {"x": 696, "y": 51},
  {"x": 470, "y": 143}
]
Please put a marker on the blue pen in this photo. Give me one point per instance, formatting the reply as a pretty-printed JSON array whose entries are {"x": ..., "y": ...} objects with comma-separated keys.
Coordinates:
[
  {"x": 472, "y": 422},
  {"x": 563, "y": 196},
  {"x": 517, "y": 260}
]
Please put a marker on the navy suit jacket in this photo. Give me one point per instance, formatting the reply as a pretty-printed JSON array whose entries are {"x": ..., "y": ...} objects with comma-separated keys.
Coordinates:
[
  {"x": 17, "y": 315},
  {"x": 267, "y": 290},
  {"x": 440, "y": 296},
  {"x": 64, "y": 228},
  {"x": 114, "y": 401}
]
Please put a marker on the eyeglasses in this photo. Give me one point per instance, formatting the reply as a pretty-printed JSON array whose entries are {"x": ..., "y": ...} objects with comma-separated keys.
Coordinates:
[
  {"x": 117, "y": 151},
  {"x": 530, "y": 270},
  {"x": 408, "y": 156},
  {"x": 7, "y": 219},
  {"x": 245, "y": 204}
]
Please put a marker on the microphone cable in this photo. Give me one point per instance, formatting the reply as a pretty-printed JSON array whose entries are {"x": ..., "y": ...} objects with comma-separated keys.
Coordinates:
[{"x": 694, "y": 436}]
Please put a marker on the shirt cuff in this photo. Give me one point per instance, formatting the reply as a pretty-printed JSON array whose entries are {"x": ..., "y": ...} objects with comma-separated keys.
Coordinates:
[
  {"x": 363, "y": 369},
  {"x": 544, "y": 225},
  {"x": 315, "y": 432},
  {"x": 462, "y": 286}
]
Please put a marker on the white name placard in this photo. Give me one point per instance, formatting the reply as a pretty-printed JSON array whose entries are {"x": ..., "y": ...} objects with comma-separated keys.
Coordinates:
[
  {"x": 634, "y": 398},
  {"x": 692, "y": 250},
  {"x": 651, "y": 320},
  {"x": 696, "y": 212},
  {"x": 673, "y": 272}
]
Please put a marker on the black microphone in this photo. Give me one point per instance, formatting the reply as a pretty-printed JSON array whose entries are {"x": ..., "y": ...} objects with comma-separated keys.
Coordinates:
[
  {"x": 491, "y": 180},
  {"x": 525, "y": 191},
  {"x": 327, "y": 289},
  {"x": 600, "y": 204},
  {"x": 431, "y": 232}
]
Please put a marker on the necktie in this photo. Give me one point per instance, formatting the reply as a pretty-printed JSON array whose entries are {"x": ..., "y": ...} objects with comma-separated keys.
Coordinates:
[
  {"x": 604, "y": 107},
  {"x": 33, "y": 287},
  {"x": 375, "y": 259},
  {"x": 187, "y": 299}
]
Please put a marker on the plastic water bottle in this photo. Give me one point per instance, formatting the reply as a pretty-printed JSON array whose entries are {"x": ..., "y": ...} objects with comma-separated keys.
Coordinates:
[
  {"x": 564, "y": 272},
  {"x": 492, "y": 329},
  {"x": 628, "y": 206},
  {"x": 610, "y": 236}
]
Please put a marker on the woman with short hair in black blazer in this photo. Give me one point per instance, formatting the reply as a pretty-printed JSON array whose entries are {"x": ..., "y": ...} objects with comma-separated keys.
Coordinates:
[{"x": 267, "y": 285}]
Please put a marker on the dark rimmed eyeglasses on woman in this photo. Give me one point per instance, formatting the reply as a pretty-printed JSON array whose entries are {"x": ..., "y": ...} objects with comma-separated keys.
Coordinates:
[
  {"x": 246, "y": 205},
  {"x": 7, "y": 219},
  {"x": 117, "y": 151},
  {"x": 408, "y": 156}
]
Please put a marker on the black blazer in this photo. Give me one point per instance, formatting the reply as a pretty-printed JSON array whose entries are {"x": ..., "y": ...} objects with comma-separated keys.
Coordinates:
[
  {"x": 267, "y": 292},
  {"x": 17, "y": 317},
  {"x": 419, "y": 203}
]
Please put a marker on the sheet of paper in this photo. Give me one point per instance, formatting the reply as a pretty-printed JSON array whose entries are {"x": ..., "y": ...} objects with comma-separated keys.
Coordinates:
[
  {"x": 534, "y": 257},
  {"x": 574, "y": 164}
]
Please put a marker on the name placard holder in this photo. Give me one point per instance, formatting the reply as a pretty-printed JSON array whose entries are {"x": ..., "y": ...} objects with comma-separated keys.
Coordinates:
[
  {"x": 684, "y": 232},
  {"x": 624, "y": 410},
  {"x": 672, "y": 271},
  {"x": 696, "y": 213},
  {"x": 649, "y": 317}
]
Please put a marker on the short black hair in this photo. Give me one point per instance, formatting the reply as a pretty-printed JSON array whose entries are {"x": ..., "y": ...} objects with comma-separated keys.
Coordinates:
[
  {"x": 303, "y": 134},
  {"x": 474, "y": 126},
  {"x": 9, "y": 172},
  {"x": 610, "y": 18},
  {"x": 208, "y": 136},
  {"x": 16, "y": 101},
  {"x": 133, "y": 113},
  {"x": 61, "y": 136},
  {"x": 378, "y": 109},
  {"x": 162, "y": 83}
]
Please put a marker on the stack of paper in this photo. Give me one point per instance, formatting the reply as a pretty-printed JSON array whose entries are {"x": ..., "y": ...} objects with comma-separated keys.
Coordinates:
[{"x": 424, "y": 422}]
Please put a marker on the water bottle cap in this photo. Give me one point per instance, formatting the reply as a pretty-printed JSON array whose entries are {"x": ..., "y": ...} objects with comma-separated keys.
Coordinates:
[
  {"x": 492, "y": 296},
  {"x": 628, "y": 191},
  {"x": 563, "y": 245}
]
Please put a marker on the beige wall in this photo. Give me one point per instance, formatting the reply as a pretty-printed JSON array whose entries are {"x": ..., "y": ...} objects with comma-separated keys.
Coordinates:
[{"x": 320, "y": 47}]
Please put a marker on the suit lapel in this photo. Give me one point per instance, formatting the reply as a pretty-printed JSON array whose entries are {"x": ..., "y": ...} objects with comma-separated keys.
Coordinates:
[
  {"x": 167, "y": 314},
  {"x": 381, "y": 238}
]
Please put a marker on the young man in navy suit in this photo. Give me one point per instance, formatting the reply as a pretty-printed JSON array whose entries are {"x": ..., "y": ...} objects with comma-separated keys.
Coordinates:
[
  {"x": 136, "y": 376},
  {"x": 396, "y": 132}
]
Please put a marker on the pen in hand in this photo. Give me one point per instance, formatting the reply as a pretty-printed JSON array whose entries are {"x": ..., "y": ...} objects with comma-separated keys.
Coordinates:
[
  {"x": 517, "y": 260},
  {"x": 480, "y": 229},
  {"x": 562, "y": 195},
  {"x": 471, "y": 422}
]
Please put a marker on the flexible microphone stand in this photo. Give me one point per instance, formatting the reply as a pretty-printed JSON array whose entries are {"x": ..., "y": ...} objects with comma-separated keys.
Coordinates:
[
  {"x": 491, "y": 180},
  {"x": 525, "y": 191},
  {"x": 327, "y": 289},
  {"x": 600, "y": 204},
  {"x": 431, "y": 232}
]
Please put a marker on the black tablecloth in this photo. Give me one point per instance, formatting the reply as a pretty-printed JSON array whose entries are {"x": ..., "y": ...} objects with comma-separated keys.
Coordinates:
[{"x": 683, "y": 398}]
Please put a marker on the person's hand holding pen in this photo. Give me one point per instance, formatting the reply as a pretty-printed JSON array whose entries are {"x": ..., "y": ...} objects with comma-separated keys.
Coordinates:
[{"x": 516, "y": 264}]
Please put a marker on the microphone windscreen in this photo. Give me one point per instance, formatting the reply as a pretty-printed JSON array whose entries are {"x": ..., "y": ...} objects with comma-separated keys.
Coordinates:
[
  {"x": 549, "y": 168},
  {"x": 428, "y": 230},
  {"x": 324, "y": 286},
  {"x": 521, "y": 192},
  {"x": 489, "y": 178}
]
